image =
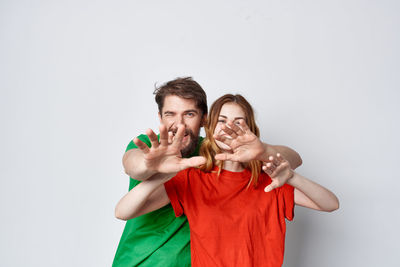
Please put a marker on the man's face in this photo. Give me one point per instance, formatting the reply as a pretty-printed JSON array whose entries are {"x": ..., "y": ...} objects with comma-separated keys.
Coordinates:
[{"x": 178, "y": 110}]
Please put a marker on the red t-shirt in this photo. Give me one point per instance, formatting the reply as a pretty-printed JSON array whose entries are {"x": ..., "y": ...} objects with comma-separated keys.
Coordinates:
[{"x": 230, "y": 224}]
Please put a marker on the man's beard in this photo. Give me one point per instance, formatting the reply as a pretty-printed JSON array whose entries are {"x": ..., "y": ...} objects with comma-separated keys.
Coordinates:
[{"x": 191, "y": 147}]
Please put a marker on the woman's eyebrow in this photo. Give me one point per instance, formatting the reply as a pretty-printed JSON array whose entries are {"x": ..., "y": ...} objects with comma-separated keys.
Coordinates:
[{"x": 236, "y": 118}]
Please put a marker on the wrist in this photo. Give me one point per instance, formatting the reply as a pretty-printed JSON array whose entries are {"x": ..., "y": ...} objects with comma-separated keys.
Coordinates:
[
  {"x": 267, "y": 151},
  {"x": 292, "y": 178}
]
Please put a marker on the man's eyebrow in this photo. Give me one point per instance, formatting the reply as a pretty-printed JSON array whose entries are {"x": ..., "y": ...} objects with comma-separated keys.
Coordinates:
[{"x": 191, "y": 110}]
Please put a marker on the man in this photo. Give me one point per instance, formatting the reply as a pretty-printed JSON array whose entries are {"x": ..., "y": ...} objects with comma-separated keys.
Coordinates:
[{"x": 159, "y": 238}]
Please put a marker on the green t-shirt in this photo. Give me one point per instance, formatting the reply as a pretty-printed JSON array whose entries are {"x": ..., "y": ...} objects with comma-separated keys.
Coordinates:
[{"x": 157, "y": 238}]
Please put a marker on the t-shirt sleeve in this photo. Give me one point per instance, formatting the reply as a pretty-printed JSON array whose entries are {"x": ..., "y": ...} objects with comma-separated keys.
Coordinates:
[
  {"x": 286, "y": 197},
  {"x": 144, "y": 138},
  {"x": 176, "y": 189}
]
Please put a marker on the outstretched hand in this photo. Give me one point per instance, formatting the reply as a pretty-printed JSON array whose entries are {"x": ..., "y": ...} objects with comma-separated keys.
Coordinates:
[
  {"x": 279, "y": 170},
  {"x": 245, "y": 145},
  {"x": 164, "y": 156}
]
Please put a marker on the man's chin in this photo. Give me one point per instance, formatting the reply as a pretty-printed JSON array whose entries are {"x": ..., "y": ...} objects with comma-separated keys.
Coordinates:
[{"x": 190, "y": 147}]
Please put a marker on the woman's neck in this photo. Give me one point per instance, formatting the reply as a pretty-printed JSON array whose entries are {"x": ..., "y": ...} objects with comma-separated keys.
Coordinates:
[{"x": 233, "y": 166}]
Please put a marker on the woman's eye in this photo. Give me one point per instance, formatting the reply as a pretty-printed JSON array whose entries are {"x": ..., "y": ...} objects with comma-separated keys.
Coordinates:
[{"x": 223, "y": 121}]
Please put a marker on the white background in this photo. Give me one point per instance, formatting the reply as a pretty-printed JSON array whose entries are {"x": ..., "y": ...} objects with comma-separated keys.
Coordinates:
[{"x": 76, "y": 81}]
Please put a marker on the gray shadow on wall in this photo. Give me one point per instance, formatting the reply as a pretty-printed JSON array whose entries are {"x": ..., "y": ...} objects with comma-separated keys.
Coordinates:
[{"x": 296, "y": 239}]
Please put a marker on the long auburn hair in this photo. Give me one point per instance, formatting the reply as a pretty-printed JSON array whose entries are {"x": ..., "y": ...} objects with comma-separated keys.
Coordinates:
[{"x": 209, "y": 148}]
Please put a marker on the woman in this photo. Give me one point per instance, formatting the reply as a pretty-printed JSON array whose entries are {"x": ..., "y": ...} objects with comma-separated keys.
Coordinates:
[{"x": 236, "y": 212}]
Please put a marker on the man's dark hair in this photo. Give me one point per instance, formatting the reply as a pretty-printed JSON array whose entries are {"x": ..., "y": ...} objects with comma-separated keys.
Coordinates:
[{"x": 183, "y": 87}]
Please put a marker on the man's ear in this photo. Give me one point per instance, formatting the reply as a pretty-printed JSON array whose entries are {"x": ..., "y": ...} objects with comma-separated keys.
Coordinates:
[{"x": 203, "y": 120}]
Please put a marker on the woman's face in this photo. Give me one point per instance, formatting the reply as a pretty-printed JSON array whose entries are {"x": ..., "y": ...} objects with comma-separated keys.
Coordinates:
[{"x": 229, "y": 112}]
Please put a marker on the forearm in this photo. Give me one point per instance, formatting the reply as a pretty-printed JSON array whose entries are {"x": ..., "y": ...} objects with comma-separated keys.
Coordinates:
[
  {"x": 319, "y": 195},
  {"x": 134, "y": 165},
  {"x": 289, "y": 154},
  {"x": 143, "y": 198}
]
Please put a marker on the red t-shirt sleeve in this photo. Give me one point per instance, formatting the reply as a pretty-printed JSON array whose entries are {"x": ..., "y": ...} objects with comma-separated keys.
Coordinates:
[
  {"x": 286, "y": 197},
  {"x": 176, "y": 188}
]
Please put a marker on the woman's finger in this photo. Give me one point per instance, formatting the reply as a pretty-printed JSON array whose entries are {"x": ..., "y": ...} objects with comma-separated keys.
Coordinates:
[
  {"x": 244, "y": 126},
  {"x": 235, "y": 128},
  {"x": 271, "y": 186},
  {"x": 266, "y": 170},
  {"x": 229, "y": 131},
  {"x": 223, "y": 139}
]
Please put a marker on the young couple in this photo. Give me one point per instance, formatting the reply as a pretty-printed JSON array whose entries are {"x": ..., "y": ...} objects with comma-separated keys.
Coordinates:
[{"x": 236, "y": 194}]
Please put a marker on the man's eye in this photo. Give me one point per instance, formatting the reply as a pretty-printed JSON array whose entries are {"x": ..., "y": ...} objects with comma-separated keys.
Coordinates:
[{"x": 190, "y": 114}]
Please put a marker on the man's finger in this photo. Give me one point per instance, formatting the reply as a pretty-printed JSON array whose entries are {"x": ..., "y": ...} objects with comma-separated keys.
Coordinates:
[
  {"x": 178, "y": 138},
  {"x": 142, "y": 146},
  {"x": 170, "y": 137},
  {"x": 163, "y": 135},
  {"x": 153, "y": 138}
]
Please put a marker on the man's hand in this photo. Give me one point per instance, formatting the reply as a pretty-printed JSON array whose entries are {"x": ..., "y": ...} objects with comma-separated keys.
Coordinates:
[
  {"x": 279, "y": 170},
  {"x": 245, "y": 145},
  {"x": 165, "y": 157}
]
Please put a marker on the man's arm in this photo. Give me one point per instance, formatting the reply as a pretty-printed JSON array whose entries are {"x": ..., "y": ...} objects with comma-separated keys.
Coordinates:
[
  {"x": 289, "y": 154},
  {"x": 146, "y": 197},
  {"x": 161, "y": 157},
  {"x": 134, "y": 165}
]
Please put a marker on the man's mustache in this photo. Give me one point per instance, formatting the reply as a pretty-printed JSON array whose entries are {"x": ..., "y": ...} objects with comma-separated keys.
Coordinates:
[{"x": 187, "y": 131}]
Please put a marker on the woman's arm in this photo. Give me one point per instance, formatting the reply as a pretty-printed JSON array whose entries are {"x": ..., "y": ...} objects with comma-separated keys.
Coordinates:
[
  {"x": 307, "y": 193},
  {"x": 147, "y": 196},
  {"x": 312, "y": 195}
]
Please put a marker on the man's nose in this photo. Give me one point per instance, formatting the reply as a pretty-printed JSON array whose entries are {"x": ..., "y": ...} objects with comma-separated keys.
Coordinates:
[{"x": 179, "y": 120}]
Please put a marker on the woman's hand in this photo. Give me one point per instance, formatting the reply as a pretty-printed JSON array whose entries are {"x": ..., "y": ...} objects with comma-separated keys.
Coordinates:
[
  {"x": 245, "y": 145},
  {"x": 279, "y": 170}
]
